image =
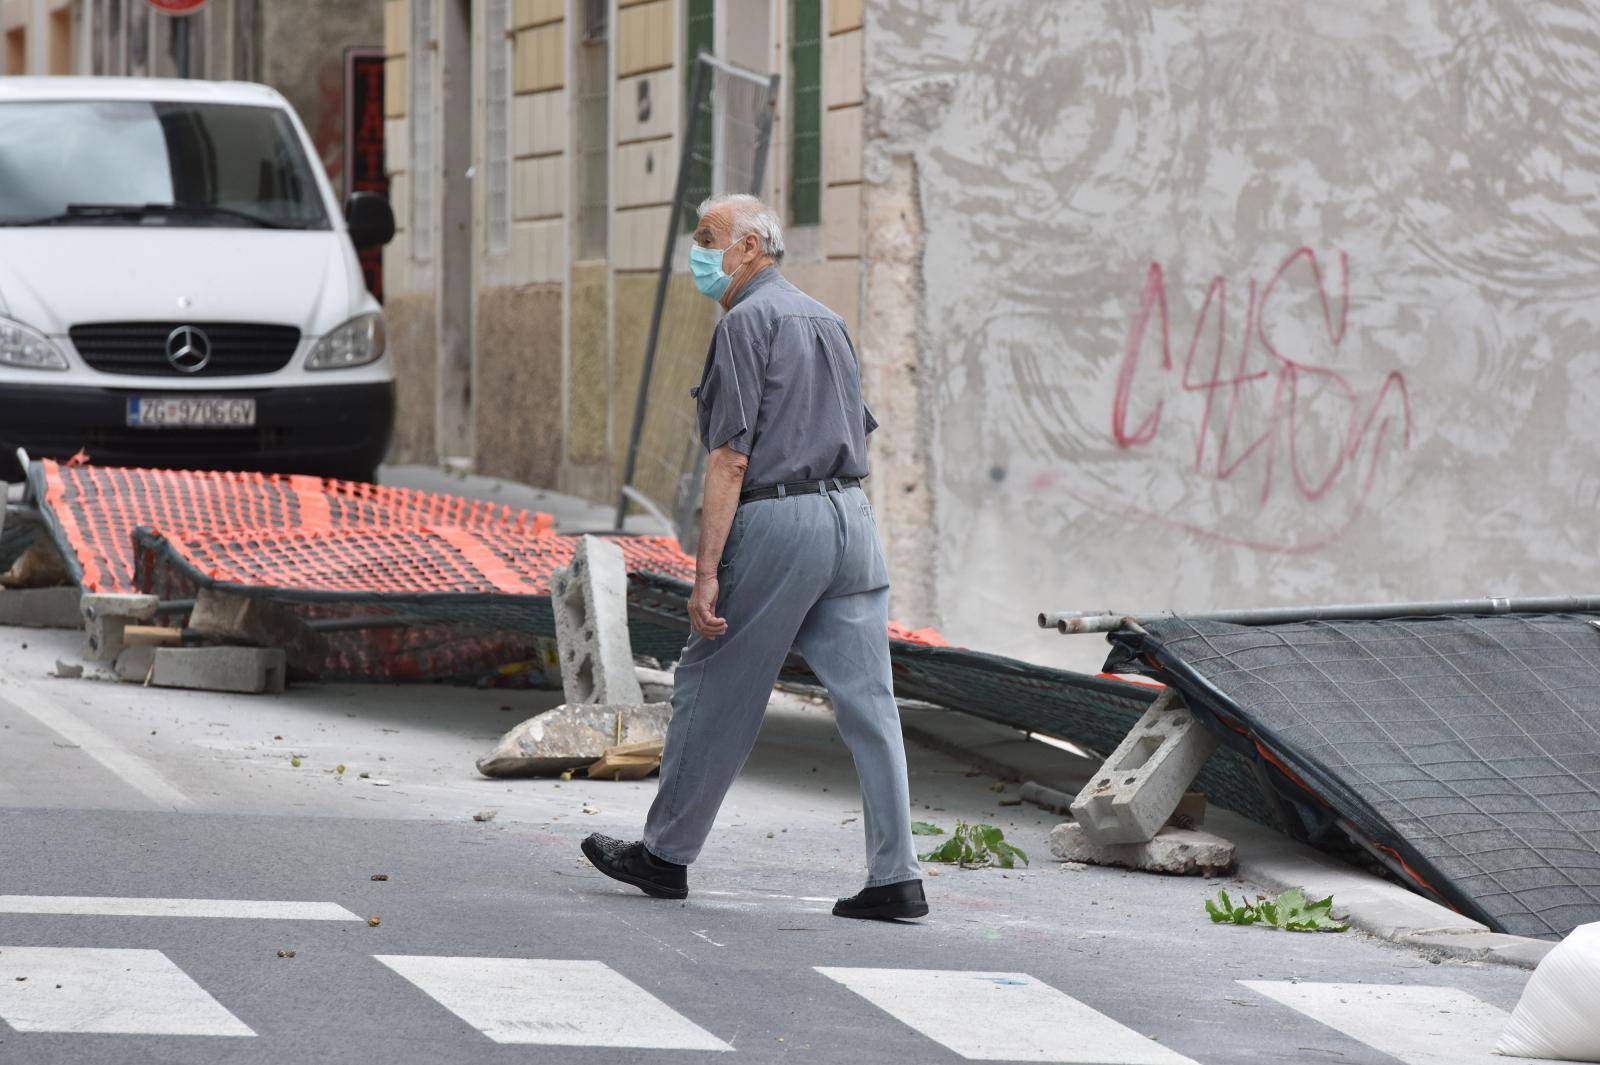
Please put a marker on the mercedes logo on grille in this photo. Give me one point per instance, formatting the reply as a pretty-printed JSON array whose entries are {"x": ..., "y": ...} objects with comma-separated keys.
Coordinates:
[{"x": 188, "y": 349}]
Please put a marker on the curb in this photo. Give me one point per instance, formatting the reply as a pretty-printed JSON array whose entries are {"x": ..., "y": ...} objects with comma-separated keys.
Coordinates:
[{"x": 1266, "y": 858}]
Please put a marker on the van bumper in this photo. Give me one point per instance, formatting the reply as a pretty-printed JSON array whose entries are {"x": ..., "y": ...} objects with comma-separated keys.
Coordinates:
[{"x": 326, "y": 430}]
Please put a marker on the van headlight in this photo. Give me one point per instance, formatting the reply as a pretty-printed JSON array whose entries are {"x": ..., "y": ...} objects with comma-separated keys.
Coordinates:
[
  {"x": 24, "y": 346},
  {"x": 355, "y": 343}
]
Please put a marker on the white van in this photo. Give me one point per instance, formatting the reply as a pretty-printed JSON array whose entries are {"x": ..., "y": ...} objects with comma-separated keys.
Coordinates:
[{"x": 178, "y": 286}]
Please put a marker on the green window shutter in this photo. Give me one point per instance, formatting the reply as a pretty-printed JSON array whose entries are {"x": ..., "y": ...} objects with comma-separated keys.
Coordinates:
[
  {"x": 805, "y": 121},
  {"x": 697, "y": 37}
]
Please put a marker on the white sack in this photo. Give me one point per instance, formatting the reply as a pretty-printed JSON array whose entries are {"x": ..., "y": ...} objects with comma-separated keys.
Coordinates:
[{"x": 1559, "y": 1014}]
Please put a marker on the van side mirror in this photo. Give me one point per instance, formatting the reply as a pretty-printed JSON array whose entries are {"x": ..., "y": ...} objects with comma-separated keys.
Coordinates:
[{"x": 370, "y": 219}]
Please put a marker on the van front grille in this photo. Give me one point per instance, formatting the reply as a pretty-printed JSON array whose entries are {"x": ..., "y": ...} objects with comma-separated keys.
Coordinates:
[{"x": 140, "y": 348}]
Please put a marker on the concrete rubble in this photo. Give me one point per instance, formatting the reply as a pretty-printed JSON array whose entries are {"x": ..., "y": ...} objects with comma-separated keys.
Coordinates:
[
  {"x": 572, "y": 736},
  {"x": 1176, "y": 851}
]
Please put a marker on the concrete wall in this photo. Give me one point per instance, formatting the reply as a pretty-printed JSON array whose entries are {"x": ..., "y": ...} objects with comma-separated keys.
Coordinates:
[
  {"x": 1245, "y": 303},
  {"x": 518, "y": 367}
]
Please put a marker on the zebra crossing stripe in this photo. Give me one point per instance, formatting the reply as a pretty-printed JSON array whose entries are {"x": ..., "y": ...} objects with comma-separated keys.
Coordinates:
[
  {"x": 1002, "y": 1017},
  {"x": 562, "y": 1003},
  {"x": 92, "y": 989},
  {"x": 106, "y": 906},
  {"x": 1419, "y": 1025}
]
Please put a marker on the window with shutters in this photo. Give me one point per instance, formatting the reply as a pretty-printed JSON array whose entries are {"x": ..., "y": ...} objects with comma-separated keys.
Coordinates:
[
  {"x": 805, "y": 113},
  {"x": 497, "y": 126}
]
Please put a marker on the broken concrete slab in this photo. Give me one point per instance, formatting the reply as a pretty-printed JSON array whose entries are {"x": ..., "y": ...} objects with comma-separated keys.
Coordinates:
[
  {"x": 590, "y": 601},
  {"x": 1139, "y": 787},
  {"x": 39, "y": 566},
  {"x": 254, "y": 621},
  {"x": 249, "y": 670},
  {"x": 106, "y": 618},
  {"x": 68, "y": 670},
  {"x": 572, "y": 736},
  {"x": 1176, "y": 851},
  {"x": 40, "y": 608}
]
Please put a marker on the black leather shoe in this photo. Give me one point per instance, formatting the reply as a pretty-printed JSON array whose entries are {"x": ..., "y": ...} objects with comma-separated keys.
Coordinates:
[
  {"x": 889, "y": 902},
  {"x": 632, "y": 864}
]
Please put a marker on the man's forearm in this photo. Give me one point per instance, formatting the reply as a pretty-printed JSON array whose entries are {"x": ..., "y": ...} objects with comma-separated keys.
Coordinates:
[{"x": 724, "y": 480}]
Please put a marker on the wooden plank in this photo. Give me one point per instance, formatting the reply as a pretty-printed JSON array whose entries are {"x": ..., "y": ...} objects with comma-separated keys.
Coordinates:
[{"x": 152, "y": 636}]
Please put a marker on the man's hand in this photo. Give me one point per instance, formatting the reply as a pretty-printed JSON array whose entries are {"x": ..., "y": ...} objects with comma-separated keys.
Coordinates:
[
  {"x": 703, "y": 609},
  {"x": 724, "y": 478}
]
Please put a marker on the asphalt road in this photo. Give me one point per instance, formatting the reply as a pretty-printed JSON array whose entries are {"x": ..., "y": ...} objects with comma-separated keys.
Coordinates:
[{"x": 497, "y": 943}]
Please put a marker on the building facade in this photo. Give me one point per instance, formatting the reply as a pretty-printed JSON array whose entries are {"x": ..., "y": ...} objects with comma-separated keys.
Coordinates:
[{"x": 547, "y": 133}]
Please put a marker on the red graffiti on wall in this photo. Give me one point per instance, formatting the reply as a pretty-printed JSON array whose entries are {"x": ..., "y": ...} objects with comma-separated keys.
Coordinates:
[{"x": 1289, "y": 389}]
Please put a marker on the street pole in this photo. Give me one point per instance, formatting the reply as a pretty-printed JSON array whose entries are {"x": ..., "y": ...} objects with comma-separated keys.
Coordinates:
[{"x": 180, "y": 44}]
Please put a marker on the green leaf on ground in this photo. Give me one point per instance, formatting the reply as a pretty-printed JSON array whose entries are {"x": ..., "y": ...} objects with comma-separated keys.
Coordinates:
[
  {"x": 976, "y": 846},
  {"x": 923, "y": 828},
  {"x": 1289, "y": 912}
]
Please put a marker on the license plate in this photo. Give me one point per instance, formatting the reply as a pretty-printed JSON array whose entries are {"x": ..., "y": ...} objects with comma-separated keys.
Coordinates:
[{"x": 191, "y": 412}]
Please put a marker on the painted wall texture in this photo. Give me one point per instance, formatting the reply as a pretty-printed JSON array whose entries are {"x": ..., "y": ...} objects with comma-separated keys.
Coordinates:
[{"x": 1248, "y": 303}]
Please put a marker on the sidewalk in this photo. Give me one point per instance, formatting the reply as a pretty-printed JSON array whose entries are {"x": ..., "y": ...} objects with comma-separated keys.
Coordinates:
[{"x": 571, "y": 513}]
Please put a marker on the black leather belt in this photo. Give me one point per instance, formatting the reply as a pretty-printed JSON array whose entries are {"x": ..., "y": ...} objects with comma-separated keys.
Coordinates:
[{"x": 799, "y": 488}]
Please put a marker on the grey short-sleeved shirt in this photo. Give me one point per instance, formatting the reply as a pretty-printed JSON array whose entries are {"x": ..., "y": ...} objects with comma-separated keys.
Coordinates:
[{"x": 781, "y": 385}]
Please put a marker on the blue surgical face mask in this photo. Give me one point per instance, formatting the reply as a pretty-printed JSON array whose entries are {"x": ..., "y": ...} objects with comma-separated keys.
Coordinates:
[{"x": 706, "y": 266}]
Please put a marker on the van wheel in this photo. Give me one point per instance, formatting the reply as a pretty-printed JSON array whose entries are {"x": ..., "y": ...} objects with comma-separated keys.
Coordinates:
[{"x": 367, "y": 475}]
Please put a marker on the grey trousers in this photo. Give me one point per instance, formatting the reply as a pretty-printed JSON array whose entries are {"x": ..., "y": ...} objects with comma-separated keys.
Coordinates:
[{"x": 805, "y": 571}]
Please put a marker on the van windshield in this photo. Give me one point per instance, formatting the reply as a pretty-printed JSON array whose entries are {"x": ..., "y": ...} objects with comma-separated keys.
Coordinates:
[{"x": 140, "y": 162}]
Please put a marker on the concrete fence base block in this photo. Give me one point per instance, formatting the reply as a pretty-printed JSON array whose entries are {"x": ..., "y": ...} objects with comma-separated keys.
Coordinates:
[
  {"x": 1142, "y": 783},
  {"x": 249, "y": 670},
  {"x": 40, "y": 608},
  {"x": 590, "y": 600},
  {"x": 572, "y": 736},
  {"x": 106, "y": 618},
  {"x": 1176, "y": 851},
  {"x": 227, "y": 617},
  {"x": 133, "y": 664}
]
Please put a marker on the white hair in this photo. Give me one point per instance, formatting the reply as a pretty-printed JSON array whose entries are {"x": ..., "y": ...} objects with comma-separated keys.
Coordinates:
[{"x": 750, "y": 215}]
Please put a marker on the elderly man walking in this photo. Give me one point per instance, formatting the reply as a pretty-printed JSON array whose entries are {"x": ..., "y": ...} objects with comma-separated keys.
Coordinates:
[{"x": 789, "y": 556}]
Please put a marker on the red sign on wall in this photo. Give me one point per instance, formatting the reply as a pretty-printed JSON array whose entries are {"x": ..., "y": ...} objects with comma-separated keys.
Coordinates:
[
  {"x": 363, "y": 142},
  {"x": 177, "y": 7}
]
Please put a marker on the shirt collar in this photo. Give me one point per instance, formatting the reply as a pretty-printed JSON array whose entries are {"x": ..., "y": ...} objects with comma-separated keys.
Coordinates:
[{"x": 767, "y": 276}]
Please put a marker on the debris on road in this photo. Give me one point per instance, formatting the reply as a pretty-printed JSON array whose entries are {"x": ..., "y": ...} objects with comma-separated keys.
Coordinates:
[
  {"x": 484, "y": 815},
  {"x": 39, "y": 566},
  {"x": 1177, "y": 851},
  {"x": 380, "y": 876},
  {"x": 628, "y": 761},
  {"x": 67, "y": 671},
  {"x": 572, "y": 736},
  {"x": 285, "y": 953},
  {"x": 373, "y": 922}
]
